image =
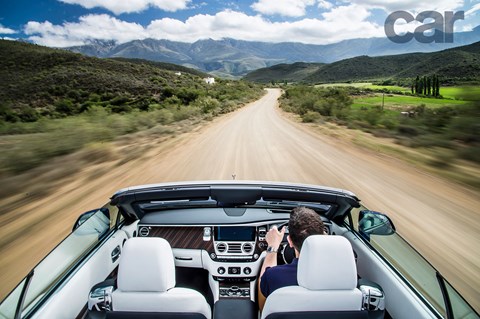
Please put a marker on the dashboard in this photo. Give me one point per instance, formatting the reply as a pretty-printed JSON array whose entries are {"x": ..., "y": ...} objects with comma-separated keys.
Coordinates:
[{"x": 229, "y": 245}]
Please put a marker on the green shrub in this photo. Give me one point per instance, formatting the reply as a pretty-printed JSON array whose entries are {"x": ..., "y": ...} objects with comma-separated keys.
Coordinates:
[
  {"x": 465, "y": 129},
  {"x": 26, "y": 114},
  {"x": 310, "y": 117},
  {"x": 66, "y": 107},
  {"x": 471, "y": 153},
  {"x": 442, "y": 160},
  {"x": 408, "y": 130},
  {"x": 207, "y": 104},
  {"x": 123, "y": 108}
]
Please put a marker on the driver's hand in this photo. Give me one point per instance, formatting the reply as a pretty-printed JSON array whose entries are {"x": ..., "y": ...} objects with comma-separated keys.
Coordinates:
[{"x": 274, "y": 237}]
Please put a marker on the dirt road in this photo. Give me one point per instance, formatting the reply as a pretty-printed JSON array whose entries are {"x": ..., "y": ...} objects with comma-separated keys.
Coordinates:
[{"x": 258, "y": 143}]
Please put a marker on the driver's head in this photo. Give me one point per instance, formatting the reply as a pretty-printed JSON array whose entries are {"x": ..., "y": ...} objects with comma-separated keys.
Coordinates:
[{"x": 303, "y": 223}]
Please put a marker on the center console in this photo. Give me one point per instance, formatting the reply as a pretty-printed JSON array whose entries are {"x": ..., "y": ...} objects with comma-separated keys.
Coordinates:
[
  {"x": 235, "y": 261},
  {"x": 234, "y": 289}
]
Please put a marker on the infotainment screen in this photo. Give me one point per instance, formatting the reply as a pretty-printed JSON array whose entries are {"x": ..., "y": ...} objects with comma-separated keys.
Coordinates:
[{"x": 235, "y": 233}]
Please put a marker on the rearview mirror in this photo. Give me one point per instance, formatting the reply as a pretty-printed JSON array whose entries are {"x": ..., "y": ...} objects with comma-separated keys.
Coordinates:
[{"x": 374, "y": 223}]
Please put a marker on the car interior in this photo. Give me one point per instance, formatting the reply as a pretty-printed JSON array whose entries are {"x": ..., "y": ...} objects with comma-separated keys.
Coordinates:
[{"x": 194, "y": 259}]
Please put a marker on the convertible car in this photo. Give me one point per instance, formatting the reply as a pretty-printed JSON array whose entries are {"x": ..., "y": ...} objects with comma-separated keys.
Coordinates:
[{"x": 195, "y": 250}]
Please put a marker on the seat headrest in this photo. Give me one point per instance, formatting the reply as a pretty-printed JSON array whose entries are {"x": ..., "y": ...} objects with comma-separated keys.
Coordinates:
[
  {"x": 327, "y": 263},
  {"x": 146, "y": 265}
]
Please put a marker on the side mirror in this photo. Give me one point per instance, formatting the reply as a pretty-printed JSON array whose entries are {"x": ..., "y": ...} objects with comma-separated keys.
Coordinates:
[
  {"x": 85, "y": 216},
  {"x": 100, "y": 296},
  {"x": 374, "y": 223}
]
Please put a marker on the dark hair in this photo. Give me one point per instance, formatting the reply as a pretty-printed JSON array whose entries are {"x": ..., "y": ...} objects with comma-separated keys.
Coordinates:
[{"x": 303, "y": 223}]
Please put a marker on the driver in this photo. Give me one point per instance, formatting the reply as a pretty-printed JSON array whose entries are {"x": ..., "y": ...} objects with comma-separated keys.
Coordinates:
[{"x": 303, "y": 223}]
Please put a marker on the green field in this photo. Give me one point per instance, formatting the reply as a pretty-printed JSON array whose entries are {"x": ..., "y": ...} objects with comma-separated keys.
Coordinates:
[
  {"x": 402, "y": 102},
  {"x": 367, "y": 85},
  {"x": 458, "y": 92},
  {"x": 356, "y": 84},
  {"x": 450, "y": 92}
]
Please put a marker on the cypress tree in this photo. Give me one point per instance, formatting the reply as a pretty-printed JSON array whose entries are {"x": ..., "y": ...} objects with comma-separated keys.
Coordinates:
[
  {"x": 437, "y": 87},
  {"x": 417, "y": 85},
  {"x": 429, "y": 86},
  {"x": 424, "y": 85},
  {"x": 434, "y": 77}
]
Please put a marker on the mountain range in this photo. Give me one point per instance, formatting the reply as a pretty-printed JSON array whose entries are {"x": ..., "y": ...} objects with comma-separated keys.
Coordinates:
[
  {"x": 235, "y": 58},
  {"x": 460, "y": 63}
]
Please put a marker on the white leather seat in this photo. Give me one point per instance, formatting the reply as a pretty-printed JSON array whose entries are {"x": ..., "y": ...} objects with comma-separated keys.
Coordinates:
[
  {"x": 146, "y": 282},
  {"x": 327, "y": 281}
]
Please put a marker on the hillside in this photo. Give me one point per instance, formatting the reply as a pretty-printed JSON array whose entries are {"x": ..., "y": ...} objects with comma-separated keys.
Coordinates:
[
  {"x": 230, "y": 57},
  {"x": 458, "y": 63},
  {"x": 38, "y": 81},
  {"x": 295, "y": 72},
  {"x": 54, "y": 102}
]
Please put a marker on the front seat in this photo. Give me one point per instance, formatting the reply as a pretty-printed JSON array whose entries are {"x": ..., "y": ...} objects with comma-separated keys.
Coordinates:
[
  {"x": 146, "y": 284},
  {"x": 327, "y": 281}
]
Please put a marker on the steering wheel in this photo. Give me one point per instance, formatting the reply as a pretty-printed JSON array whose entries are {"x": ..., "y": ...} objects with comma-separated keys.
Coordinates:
[{"x": 286, "y": 254}]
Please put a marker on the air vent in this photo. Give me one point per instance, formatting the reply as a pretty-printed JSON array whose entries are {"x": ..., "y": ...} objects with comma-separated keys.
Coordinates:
[
  {"x": 247, "y": 248},
  {"x": 144, "y": 231},
  {"x": 221, "y": 247},
  {"x": 234, "y": 248}
]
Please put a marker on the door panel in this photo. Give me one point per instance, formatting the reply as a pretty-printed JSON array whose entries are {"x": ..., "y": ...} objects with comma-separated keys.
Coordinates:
[
  {"x": 400, "y": 301},
  {"x": 69, "y": 300}
]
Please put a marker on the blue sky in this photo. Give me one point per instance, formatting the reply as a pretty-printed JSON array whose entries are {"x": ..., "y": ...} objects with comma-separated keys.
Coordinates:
[{"x": 60, "y": 23}]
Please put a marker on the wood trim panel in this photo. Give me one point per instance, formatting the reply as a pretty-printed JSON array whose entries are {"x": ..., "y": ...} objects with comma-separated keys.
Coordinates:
[{"x": 183, "y": 237}]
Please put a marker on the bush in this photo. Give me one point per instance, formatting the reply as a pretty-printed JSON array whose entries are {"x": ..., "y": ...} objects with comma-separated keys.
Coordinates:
[
  {"x": 207, "y": 104},
  {"x": 26, "y": 114},
  {"x": 373, "y": 115},
  {"x": 66, "y": 107},
  {"x": 471, "y": 153},
  {"x": 465, "y": 129},
  {"x": 310, "y": 117},
  {"x": 408, "y": 130}
]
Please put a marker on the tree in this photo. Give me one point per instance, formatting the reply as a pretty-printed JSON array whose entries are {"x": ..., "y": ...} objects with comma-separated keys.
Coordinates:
[
  {"x": 429, "y": 86},
  {"x": 437, "y": 86},
  {"x": 434, "y": 88}
]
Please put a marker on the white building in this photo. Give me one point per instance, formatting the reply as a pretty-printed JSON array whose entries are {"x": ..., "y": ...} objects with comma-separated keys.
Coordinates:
[{"x": 209, "y": 80}]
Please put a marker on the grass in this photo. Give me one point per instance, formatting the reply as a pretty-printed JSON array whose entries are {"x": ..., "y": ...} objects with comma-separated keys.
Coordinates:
[
  {"x": 402, "y": 101},
  {"x": 388, "y": 88},
  {"x": 447, "y": 92},
  {"x": 367, "y": 85},
  {"x": 458, "y": 92},
  {"x": 353, "y": 84}
]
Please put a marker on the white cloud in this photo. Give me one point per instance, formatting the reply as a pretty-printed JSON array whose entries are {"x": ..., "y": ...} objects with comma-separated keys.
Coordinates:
[
  {"x": 288, "y": 8},
  {"x": 413, "y": 6},
  {"x": 89, "y": 27},
  {"x": 463, "y": 28},
  {"x": 240, "y": 26},
  {"x": 323, "y": 4},
  {"x": 129, "y": 6},
  {"x": 4, "y": 30},
  {"x": 340, "y": 23},
  {"x": 473, "y": 10}
]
